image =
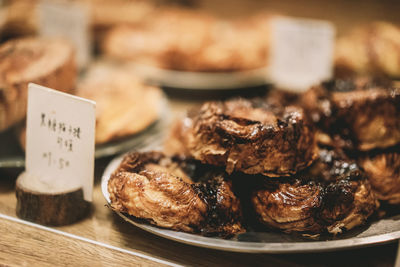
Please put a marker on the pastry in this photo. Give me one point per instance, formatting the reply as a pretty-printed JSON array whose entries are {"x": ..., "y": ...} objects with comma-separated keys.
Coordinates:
[
  {"x": 332, "y": 196},
  {"x": 251, "y": 137},
  {"x": 359, "y": 114},
  {"x": 125, "y": 105},
  {"x": 383, "y": 171},
  {"x": 162, "y": 190},
  {"x": 188, "y": 40},
  {"x": 47, "y": 62}
]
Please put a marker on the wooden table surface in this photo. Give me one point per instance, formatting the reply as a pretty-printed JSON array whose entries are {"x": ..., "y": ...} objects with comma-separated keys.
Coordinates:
[{"x": 103, "y": 238}]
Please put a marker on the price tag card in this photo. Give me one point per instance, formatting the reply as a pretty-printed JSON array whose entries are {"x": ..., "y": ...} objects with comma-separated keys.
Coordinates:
[
  {"x": 60, "y": 138},
  {"x": 301, "y": 52},
  {"x": 70, "y": 20}
]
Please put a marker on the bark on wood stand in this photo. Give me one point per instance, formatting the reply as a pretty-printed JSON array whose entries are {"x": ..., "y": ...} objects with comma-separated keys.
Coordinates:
[{"x": 53, "y": 208}]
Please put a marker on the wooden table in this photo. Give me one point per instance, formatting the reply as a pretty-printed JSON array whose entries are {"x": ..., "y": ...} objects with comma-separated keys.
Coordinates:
[{"x": 103, "y": 238}]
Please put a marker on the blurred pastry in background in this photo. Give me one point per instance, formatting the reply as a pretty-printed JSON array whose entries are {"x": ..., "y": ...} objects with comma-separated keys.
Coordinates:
[
  {"x": 188, "y": 40},
  {"x": 124, "y": 104},
  {"x": 47, "y": 62},
  {"x": 149, "y": 42},
  {"x": 105, "y": 13},
  {"x": 19, "y": 18},
  {"x": 370, "y": 49}
]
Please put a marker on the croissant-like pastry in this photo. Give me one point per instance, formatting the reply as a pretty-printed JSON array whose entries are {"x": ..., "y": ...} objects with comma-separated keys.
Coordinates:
[
  {"x": 332, "y": 196},
  {"x": 160, "y": 190},
  {"x": 251, "y": 137}
]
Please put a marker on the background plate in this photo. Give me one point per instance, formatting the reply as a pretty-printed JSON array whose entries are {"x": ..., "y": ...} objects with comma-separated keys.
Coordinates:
[
  {"x": 201, "y": 80},
  {"x": 382, "y": 231}
]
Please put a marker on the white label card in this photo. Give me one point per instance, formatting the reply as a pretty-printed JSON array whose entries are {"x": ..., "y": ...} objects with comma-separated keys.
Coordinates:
[
  {"x": 60, "y": 140},
  {"x": 301, "y": 52},
  {"x": 60, "y": 18}
]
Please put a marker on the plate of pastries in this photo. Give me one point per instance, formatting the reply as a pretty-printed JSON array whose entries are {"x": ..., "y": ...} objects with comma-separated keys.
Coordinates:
[
  {"x": 287, "y": 172},
  {"x": 191, "y": 49}
]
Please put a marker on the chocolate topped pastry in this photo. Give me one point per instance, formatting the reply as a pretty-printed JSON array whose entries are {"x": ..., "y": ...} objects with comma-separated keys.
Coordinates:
[
  {"x": 253, "y": 137},
  {"x": 331, "y": 196},
  {"x": 359, "y": 114},
  {"x": 160, "y": 190}
]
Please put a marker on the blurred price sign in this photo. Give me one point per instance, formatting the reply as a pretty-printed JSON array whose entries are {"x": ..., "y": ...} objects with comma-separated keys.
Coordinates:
[
  {"x": 301, "y": 52},
  {"x": 70, "y": 20}
]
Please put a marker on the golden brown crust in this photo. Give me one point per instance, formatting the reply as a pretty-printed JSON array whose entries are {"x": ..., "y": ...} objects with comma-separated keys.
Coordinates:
[
  {"x": 47, "y": 62},
  {"x": 291, "y": 208},
  {"x": 159, "y": 189},
  {"x": 333, "y": 195},
  {"x": 251, "y": 137},
  {"x": 148, "y": 196}
]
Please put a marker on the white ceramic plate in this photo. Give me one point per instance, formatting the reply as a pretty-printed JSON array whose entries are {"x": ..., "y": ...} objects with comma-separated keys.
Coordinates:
[{"x": 378, "y": 232}]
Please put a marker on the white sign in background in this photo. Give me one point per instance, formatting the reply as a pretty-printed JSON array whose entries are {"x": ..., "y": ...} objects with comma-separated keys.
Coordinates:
[
  {"x": 60, "y": 18},
  {"x": 60, "y": 140},
  {"x": 301, "y": 52}
]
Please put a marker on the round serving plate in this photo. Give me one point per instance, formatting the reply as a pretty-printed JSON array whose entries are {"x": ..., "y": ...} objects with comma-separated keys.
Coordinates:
[
  {"x": 201, "y": 80},
  {"x": 12, "y": 155},
  {"x": 378, "y": 232}
]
